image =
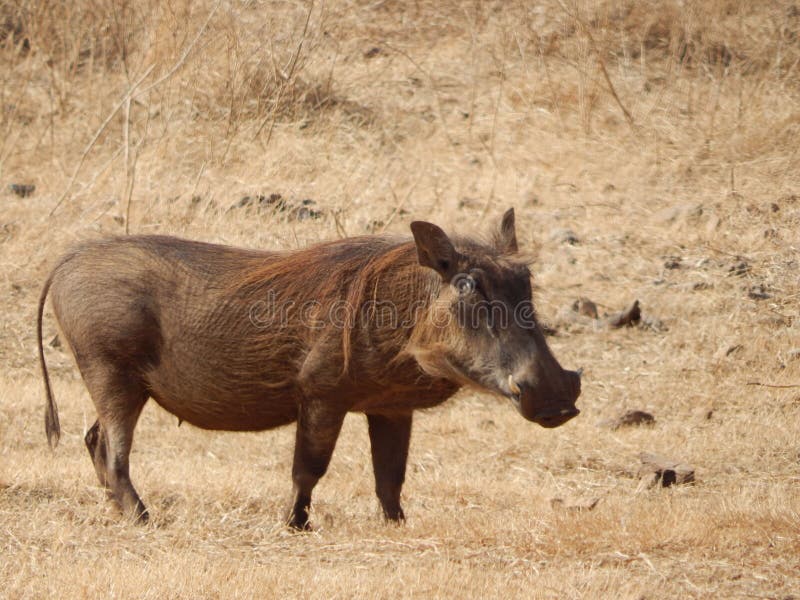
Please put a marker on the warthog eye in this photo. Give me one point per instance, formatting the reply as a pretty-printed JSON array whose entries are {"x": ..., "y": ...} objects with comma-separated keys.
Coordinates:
[{"x": 465, "y": 284}]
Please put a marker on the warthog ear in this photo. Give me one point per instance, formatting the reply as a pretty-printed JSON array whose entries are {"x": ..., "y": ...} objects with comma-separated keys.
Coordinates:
[
  {"x": 434, "y": 249},
  {"x": 506, "y": 238}
]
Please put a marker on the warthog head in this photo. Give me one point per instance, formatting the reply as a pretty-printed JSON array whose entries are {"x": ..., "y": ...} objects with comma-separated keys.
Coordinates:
[{"x": 481, "y": 327}]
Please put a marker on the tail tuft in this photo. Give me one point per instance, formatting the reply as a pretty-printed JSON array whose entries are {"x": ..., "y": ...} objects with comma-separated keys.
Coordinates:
[{"x": 51, "y": 424}]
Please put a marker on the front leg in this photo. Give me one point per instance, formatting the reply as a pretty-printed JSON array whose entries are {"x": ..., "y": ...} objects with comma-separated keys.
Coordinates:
[
  {"x": 318, "y": 428},
  {"x": 389, "y": 437}
]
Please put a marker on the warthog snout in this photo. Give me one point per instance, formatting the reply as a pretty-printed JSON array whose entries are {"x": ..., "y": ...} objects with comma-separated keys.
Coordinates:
[{"x": 548, "y": 405}]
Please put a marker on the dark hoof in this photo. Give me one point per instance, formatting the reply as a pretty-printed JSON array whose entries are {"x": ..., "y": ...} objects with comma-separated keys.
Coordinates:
[
  {"x": 395, "y": 516},
  {"x": 139, "y": 516},
  {"x": 298, "y": 526}
]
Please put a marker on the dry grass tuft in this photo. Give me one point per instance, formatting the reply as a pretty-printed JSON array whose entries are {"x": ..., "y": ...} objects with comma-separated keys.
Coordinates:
[{"x": 663, "y": 135}]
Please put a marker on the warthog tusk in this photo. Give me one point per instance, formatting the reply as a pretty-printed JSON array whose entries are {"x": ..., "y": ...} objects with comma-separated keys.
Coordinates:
[
  {"x": 513, "y": 386},
  {"x": 580, "y": 372}
]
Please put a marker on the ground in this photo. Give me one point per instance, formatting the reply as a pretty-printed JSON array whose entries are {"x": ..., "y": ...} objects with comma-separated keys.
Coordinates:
[{"x": 662, "y": 135}]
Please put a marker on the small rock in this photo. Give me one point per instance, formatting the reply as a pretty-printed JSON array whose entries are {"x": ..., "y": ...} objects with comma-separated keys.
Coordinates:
[
  {"x": 275, "y": 200},
  {"x": 673, "y": 262},
  {"x": 703, "y": 413},
  {"x": 304, "y": 211},
  {"x": 608, "y": 188},
  {"x": 695, "y": 286},
  {"x": 55, "y": 342},
  {"x": 375, "y": 225},
  {"x": 758, "y": 292},
  {"x": 261, "y": 201},
  {"x": 584, "y": 306},
  {"x": 628, "y": 317},
  {"x": 628, "y": 419},
  {"x": 564, "y": 236},
  {"x": 299, "y": 211},
  {"x": 23, "y": 190},
  {"x": 372, "y": 52},
  {"x": 739, "y": 268},
  {"x": 793, "y": 354},
  {"x": 658, "y": 470},
  {"x": 243, "y": 202}
]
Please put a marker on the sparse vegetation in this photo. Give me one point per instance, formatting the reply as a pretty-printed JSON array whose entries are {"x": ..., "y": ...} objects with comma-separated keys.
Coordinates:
[{"x": 663, "y": 135}]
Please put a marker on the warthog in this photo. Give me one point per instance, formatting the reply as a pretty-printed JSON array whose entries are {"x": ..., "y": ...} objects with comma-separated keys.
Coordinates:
[{"x": 244, "y": 340}]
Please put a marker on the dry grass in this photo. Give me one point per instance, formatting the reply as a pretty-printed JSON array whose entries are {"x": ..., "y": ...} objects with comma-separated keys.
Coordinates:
[{"x": 651, "y": 129}]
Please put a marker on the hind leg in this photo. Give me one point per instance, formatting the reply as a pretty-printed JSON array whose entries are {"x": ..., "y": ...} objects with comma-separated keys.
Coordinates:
[{"x": 119, "y": 402}]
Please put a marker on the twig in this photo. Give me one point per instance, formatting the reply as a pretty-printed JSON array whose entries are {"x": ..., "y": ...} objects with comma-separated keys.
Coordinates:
[
  {"x": 126, "y": 98},
  {"x": 490, "y": 148},
  {"x": 340, "y": 230},
  {"x": 179, "y": 63},
  {"x": 611, "y": 87},
  {"x": 718, "y": 251},
  {"x": 287, "y": 80},
  {"x": 302, "y": 39},
  {"x": 550, "y": 85},
  {"x": 771, "y": 385},
  {"x": 126, "y": 140},
  {"x": 131, "y": 171},
  {"x": 601, "y": 63},
  {"x": 96, "y": 136},
  {"x": 197, "y": 180},
  {"x": 398, "y": 205}
]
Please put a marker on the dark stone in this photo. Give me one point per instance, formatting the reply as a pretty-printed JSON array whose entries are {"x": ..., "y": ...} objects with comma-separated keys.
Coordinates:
[
  {"x": 661, "y": 471},
  {"x": 628, "y": 419},
  {"x": 23, "y": 190}
]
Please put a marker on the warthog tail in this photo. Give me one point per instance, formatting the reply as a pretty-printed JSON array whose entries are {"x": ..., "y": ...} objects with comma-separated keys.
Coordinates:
[{"x": 51, "y": 424}]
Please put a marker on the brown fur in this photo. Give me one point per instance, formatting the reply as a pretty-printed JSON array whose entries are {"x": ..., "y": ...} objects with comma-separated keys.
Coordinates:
[{"x": 235, "y": 339}]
